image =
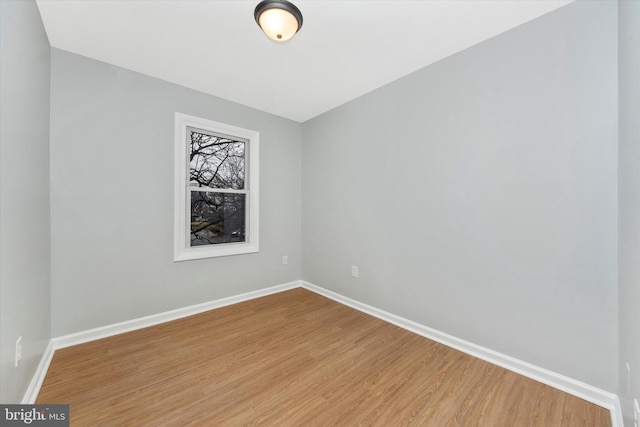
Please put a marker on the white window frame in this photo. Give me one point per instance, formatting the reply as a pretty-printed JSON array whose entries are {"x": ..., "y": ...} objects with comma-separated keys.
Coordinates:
[{"x": 182, "y": 209}]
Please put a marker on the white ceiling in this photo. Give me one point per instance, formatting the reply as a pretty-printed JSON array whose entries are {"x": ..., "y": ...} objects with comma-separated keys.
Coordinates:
[{"x": 344, "y": 49}]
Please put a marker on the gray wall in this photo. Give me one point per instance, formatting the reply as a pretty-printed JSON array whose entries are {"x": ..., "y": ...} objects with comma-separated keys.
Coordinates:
[
  {"x": 629, "y": 203},
  {"x": 24, "y": 194},
  {"x": 112, "y": 139},
  {"x": 478, "y": 195}
]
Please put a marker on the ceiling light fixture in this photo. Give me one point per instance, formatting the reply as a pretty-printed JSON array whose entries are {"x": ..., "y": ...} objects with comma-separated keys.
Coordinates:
[{"x": 279, "y": 19}]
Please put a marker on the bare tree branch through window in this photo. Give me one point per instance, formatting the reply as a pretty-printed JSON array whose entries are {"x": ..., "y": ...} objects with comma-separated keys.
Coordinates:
[{"x": 216, "y": 180}]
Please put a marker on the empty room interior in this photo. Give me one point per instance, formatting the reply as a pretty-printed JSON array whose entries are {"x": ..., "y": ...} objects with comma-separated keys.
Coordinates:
[{"x": 409, "y": 213}]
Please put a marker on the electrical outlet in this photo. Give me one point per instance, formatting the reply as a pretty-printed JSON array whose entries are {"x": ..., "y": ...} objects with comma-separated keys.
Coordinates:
[
  {"x": 354, "y": 271},
  {"x": 18, "y": 352},
  {"x": 285, "y": 259}
]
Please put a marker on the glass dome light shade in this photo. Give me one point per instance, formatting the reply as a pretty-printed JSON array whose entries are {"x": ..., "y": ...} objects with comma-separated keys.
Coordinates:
[{"x": 280, "y": 20}]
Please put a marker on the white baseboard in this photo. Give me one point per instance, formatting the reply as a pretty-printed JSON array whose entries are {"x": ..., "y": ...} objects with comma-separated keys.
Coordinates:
[
  {"x": 131, "y": 325},
  {"x": 156, "y": 319},
  {"x": 584, "y": 391},
  {"x": 616, "y": 413},
  {"x": 38, "y": 378}
]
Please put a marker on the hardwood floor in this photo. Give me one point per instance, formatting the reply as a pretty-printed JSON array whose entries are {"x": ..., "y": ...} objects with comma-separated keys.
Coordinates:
[{"x": 295, "y": 359}]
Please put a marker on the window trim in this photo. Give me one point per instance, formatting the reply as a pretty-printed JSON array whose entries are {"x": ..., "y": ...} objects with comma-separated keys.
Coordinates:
[{"x": 182, "y": 251}]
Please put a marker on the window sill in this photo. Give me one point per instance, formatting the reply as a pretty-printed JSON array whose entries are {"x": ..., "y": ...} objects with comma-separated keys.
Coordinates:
[{"x": 187, "y": 254}]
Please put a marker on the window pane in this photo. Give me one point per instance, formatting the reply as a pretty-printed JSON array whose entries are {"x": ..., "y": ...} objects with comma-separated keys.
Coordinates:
[
  {"x": 217, "y": 218},
  {"x": 216, "y": 161}
]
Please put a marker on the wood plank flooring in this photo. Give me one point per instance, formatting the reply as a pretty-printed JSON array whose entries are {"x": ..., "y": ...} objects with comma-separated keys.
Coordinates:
[{"x": 295, "y": 359}]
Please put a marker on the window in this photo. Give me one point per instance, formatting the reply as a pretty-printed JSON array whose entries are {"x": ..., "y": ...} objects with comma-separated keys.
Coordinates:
[{"x": 216, "y": 189}]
